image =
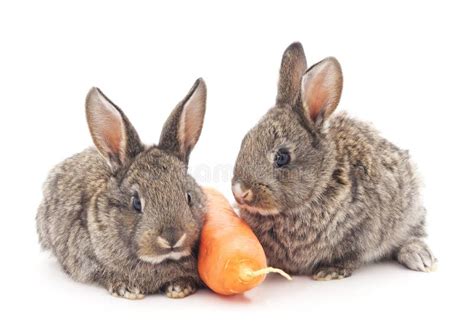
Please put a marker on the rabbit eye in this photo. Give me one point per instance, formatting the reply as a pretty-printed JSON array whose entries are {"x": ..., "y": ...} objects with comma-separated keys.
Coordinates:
[
  {"x": 136, "y": 203},
  {"x": 188, "y": 198},
  {"x": 282, "y": 157}
]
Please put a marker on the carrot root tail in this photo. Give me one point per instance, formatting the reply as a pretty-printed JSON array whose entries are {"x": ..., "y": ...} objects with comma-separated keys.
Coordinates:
[{"x": 254, "y": 273}]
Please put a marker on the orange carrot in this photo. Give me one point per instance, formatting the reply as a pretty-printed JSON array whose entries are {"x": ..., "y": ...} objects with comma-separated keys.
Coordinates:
[{"x": 231, "y": 259}]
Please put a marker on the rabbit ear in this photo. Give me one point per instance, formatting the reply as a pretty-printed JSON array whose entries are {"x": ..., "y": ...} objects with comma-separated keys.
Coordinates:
[
  {"x": 183, "y": 127},
  {"x": 293, "y": 66},
  {"x": 113, "y": 135},
  {"x": 321, "y": 89}
]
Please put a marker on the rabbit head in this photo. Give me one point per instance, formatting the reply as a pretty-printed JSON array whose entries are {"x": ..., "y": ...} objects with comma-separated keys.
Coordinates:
[
  {"x": 287, "y": 158},
  {"x": 150, "y": 210}
]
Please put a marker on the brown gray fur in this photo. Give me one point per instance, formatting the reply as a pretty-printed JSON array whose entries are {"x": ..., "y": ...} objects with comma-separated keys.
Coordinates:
[
  {"x": 125, "y": 215},
  {"x": 346, "y": 197}
]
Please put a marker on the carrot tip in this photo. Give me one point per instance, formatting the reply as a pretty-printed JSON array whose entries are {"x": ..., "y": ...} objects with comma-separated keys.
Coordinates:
[{"x": 263, "y": 271}]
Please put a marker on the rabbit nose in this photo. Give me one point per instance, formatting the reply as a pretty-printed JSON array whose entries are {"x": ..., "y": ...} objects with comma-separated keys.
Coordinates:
[
  {"x": 242, "y": 196},
  {"x": 170, "y": 237}
]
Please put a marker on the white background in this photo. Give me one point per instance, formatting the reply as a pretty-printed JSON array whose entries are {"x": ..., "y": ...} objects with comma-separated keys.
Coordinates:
[{"x": 407, "y": 67}]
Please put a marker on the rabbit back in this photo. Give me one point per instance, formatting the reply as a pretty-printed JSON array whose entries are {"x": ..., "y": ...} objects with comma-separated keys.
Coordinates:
[{"x": 62, "y": 215}]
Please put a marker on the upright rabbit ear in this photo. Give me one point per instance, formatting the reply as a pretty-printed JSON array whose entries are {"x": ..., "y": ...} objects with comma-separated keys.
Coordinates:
[
  {"x": 293, "y": 66},
  {"x": 321, "y": 89},
  {"x": 183, "y": 127},
  {"x": 113, "y": 135}
]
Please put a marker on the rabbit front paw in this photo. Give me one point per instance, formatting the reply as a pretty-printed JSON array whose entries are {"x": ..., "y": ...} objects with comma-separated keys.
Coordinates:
[
  {"x": 417, "y": 256},
  {"x": 180, "y": 288},
  {"x": 120, "y": 289},
  {"x": 331, "y": 273}
]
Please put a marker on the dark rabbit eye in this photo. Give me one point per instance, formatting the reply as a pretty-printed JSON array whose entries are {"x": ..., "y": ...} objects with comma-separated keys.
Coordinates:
[
  {"x": 282, "y": 157},
  {"x": 188, "y": 198},
  {"x": 136, "y": 203}
]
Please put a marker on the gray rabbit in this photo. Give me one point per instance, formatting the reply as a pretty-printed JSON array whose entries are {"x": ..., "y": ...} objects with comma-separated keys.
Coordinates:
[
  {"x": 125, "y": 215},
  {"x": 323, "y": 192}
]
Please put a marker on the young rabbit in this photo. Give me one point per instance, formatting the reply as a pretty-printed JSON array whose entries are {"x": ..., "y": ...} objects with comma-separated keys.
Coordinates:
[
  {"x": 326, "y": 193},
  {"x": 124, "y": 215}
]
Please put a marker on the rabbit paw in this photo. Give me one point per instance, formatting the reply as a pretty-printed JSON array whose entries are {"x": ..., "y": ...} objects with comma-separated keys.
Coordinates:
[
  {"x": 417, "y": 256},
  {"x": 331, "y": 273},
  {"x": 123, "y": 291},
  {"x": 179, "y": 289}
]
